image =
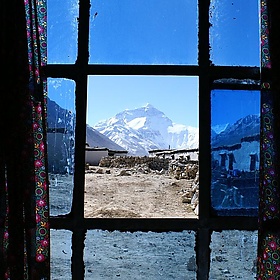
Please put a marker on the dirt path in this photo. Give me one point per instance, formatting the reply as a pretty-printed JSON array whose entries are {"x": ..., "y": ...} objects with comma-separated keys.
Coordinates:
[
  {"x": 143, "y": 255},
  {"x": 113, "y": 192}
]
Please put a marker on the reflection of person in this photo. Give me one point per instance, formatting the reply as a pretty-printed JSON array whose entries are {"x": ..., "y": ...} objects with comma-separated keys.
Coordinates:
[
  {"x": 231, "y": 198},
  {"x": 228, "y": 200}
]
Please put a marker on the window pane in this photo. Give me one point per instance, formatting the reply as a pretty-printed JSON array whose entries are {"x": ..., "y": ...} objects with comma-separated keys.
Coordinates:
[
  {"x": 60, "y": 250},
  {"x": 143, "y": 32},
  {"x": 233, "y": 255},
  {"x": 139, "y": 255},
  {"x": 235, "y": 145},
  {"x": 142, "y": 147},
  {"x": 62, "y": 31},
  {"x": 234, "y": 32},
  {"x": 61, "y": 143}
]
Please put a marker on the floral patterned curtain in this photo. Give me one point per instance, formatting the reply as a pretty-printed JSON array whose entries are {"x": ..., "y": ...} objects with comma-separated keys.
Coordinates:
[
  {"x": 269, "y": 206},
  {"x": 24, "y": 214}
]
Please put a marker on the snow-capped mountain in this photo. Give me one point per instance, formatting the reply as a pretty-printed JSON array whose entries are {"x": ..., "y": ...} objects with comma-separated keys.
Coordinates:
[
  {"x": 244, "y": 127},
  {"x": 59, "y": 117},
  {"x": 146, "y": 128},
  {"x": 96, "y": 139},
  {"x": 217, "y": 129},
  {"x": 61, "y": 138}
]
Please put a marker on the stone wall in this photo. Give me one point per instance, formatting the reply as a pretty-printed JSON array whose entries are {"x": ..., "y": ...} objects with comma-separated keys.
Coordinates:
[{"x": 153, "y": 163}]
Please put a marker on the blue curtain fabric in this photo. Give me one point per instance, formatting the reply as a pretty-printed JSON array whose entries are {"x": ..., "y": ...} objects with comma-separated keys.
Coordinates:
[{"x": 24, "y": 213}]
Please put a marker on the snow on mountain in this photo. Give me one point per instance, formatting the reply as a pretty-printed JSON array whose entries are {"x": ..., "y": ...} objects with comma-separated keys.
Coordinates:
[
  {"x": 96, "y": 139},
  {"x": 219, "y": 128},
  {"x": 244, "y": 127},
  {"x": 59, "y": 117},
  {"x": 146, "y": 128}
]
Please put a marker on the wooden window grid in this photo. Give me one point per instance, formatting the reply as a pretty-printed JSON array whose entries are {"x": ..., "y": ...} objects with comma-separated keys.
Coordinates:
[{"x": 206, "y": 73}]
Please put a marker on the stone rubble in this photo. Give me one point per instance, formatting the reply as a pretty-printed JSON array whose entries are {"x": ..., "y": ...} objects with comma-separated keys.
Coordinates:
[
  {"x": 181, "y": 168},
  {"x": 147, "y": 164}
]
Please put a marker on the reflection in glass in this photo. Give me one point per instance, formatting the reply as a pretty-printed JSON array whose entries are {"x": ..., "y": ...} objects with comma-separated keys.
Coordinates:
[
  {"x": 234, "y": 32},
  {"x": 237, "y": 81},
  {"x": 139, "y": 255},
  {"x": 60, "y": 143},
  {"x": 62, "y": 31},
  {"x": 235, "y": 145},
  {"x": 143, "y": 32},
  {"x": 142, "y": 147},
  {"x": 60, "y": 250},
  {"x": 233, "y": 255}
]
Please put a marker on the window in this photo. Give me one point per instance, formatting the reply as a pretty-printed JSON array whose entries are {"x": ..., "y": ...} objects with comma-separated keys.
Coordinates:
[{"x": 112, "y": 32}]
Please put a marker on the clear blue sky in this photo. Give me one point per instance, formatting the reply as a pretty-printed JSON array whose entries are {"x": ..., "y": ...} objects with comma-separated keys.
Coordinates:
[
  {"x": 177, "y": 97},
  {"x": 143, "y": 32},
  {"x": 62, "y": 91},
  {"x": 234, "y": 34},
  {"x": 150, "y": 32},
  {"x": 230, "y": 105}
]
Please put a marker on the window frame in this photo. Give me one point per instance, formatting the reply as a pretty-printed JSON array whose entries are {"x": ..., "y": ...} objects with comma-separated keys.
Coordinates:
[{"x": 207, "y": 73}]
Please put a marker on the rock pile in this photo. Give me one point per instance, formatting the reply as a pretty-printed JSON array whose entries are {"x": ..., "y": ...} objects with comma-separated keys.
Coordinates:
[
  {"x": 184, "y": 169},
  {"x": 144, "y": 163},
  {"x": 181, "y": 168},
  {"x": 191, "y": 194}
]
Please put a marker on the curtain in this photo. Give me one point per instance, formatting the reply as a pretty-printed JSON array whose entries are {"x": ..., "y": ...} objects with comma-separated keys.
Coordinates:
[
  {"x": 269, "y": 202},
  {"x": 24, "y": 213}
]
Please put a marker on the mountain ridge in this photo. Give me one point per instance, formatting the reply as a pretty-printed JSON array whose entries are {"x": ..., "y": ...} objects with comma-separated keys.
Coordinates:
[
  {"x": 147, "y": 128},
  {"x": 243, "y": 127}
]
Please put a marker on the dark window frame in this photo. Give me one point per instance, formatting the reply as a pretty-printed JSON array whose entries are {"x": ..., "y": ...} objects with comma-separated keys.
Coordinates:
[{"x": 207, "y": 73}]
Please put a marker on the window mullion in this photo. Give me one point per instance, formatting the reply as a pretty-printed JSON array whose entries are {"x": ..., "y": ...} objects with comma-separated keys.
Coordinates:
[
  {"x": 203, "y": 236},
  {"x": 204, "y": 113},
  {"x": 203, "y": 239},
  {"x": 77, "y": 212}
]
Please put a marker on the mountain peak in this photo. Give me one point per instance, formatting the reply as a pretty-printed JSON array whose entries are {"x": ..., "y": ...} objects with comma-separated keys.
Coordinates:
[
  {"x": 148, "y": 106},
  {"x": 146, "y": 128}
]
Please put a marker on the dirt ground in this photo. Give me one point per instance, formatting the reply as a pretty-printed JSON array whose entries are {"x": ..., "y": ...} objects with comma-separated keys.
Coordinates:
[{"x": 115, "y": 192}]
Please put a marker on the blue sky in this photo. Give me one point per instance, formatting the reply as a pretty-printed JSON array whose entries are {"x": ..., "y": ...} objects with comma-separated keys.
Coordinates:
[
  {"x": 230, "y": 105},
  {"x": 234, "y": 34},
  {"x": 150, "y": 32},
  {"x": 177, "y": 97},
  {"x": 143, "y": 32}
]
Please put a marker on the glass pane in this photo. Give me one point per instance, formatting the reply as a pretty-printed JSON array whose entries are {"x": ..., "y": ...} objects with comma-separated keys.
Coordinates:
[
  {"x": 231, "y": 81},
  {"x": 62, "y": 31},
  {"x": 235, "y": 150},
  {"x": 233, "y": 255},
  {"x": 143, "y": 32},
  {"x": 60, "y": 250},
  {"x": 139, "y": 255},
  {"x": 61, "y": 118},
  {"x": 234, "y": 32},
  {"x": 142, "y": 147}
]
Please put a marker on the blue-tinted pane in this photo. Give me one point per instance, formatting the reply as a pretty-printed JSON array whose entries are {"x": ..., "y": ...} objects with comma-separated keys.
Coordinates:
[
  {"x": 139, "y": 255},
  {"x": 235, "y": 145},
  {"x": 233, "y": 255},
  {"x": 61, "y": 253},
  {"x": 61, "y": 118},
  {"x": 62, "y": 31},
  {"x": 143, "y": 32},
  {"x": 234, "y": 32}
]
